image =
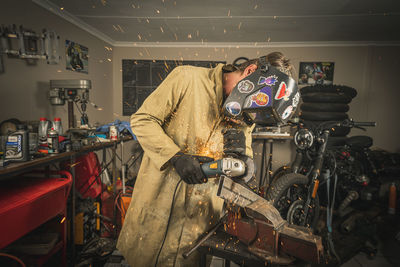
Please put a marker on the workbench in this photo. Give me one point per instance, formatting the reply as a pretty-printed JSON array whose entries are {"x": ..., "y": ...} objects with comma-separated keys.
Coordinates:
[{"x": 23, "y": 198}]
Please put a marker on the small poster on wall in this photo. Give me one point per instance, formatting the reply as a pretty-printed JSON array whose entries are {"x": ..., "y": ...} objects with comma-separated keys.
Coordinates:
[
  {"x": 76, "y": 56},
  {"x": 311, "y": 73}
]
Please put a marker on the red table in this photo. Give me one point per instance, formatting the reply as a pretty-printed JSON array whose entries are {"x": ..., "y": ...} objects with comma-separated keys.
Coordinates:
[{"x": 28, "y": 202}]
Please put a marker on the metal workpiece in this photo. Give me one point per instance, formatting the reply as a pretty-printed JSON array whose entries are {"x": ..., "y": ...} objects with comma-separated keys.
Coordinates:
[
  {"x": 239, "y": 195},
  {"x": 264, "y": 231}
]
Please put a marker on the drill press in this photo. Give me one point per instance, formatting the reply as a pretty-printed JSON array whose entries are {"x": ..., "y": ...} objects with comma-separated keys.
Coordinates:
[{"x": 71, "y": 91}]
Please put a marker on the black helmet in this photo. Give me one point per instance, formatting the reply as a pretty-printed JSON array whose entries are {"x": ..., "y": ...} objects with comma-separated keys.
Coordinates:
[{"x": 265, "y": 97}]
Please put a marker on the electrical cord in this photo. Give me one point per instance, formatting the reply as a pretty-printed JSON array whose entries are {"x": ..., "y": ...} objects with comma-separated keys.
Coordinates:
[{"x": 169, "y": 221}]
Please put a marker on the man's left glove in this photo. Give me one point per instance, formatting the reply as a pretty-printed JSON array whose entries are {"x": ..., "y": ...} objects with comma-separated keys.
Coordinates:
[
  {"x": 188, "y": 167},
  {"x": 234, "y": 142}
]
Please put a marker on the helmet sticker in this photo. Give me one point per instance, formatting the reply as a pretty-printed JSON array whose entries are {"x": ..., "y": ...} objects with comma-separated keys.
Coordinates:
[
  {"x": 233, "y": 108},
  {"x": 259, "y": 99},
  {"x": 296, "y": 99},
  {"x": 270, "y": 80},
  {"x": 245, "y": 86},
  {"x": 283, "y": 92},
  {"x": 287, "y": 112}
]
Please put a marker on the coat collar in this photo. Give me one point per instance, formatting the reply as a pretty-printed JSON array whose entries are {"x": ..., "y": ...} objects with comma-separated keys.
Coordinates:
[{"x": 216, "y": 76}]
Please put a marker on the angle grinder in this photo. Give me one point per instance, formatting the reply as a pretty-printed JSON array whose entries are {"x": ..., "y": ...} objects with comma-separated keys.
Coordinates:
[{"x": 231, "y": 167}]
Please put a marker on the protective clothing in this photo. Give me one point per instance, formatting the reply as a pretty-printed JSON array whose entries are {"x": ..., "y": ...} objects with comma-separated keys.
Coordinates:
[
  {"x": 188, "y": 167},
  {"x": 183, "y": 114}
]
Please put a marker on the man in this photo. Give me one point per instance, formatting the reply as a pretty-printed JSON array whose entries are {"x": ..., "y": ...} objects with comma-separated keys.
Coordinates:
[{"x": 172, "y": 205}]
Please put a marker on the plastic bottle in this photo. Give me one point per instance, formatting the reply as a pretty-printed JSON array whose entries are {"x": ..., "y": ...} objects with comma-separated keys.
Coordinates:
[
  {"x": 57, "y": 125},
  {"x": 52, "y": 141},
  {"x": 43, "y": 129},
  {"x": 17, "y": 145}
]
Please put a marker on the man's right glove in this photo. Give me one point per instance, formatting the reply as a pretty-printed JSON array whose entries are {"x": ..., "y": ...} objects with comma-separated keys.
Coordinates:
[
  {"x": 234, "y": 142},
  {"x": 188, "y": 167}
]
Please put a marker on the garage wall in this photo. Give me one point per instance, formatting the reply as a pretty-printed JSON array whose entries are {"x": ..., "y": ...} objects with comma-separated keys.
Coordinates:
[
  {"x": 371, "y": 70},
  {"x": 23, "y": 87}
]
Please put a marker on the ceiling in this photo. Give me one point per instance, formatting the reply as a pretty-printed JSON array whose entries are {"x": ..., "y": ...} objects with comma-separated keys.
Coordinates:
[{"x": 222, "y": 22}]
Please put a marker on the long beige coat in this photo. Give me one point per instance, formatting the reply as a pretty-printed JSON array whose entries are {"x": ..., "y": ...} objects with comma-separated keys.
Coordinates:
[{"x": 182, "y": 114}]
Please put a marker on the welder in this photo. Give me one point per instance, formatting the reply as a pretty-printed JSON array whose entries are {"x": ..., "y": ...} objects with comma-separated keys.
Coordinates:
[{"x": 180, "y": 126}]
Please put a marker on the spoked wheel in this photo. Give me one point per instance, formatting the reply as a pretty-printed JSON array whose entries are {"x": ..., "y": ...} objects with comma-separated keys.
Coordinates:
[{"x": 288, "y": 194}]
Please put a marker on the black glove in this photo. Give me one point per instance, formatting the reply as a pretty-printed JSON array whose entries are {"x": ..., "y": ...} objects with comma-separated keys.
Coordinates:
[
  {"x": 234, "y": 141},
  {"x": 188, "y": 167}
]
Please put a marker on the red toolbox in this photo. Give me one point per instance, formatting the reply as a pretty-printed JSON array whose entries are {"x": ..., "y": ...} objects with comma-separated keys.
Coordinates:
[{"x": 28, "y": 202}]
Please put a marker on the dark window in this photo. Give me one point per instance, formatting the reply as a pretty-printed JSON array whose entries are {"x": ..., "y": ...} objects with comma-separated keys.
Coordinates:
[{"x": 141, "y": 77}]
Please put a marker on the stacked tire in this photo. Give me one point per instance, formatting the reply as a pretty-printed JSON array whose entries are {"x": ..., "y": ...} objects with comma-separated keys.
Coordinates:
[{"x": 322, "y": 103}]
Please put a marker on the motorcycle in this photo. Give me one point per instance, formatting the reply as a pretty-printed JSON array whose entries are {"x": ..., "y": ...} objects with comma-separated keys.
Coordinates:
[{"x": 294, "y": 190}]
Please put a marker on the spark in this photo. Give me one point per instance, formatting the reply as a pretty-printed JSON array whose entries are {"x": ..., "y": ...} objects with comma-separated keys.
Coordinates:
[
  {"x": 63, "y": 219},
  {"x": 229, "y": 13},
  {"x": 139, "y": 36},
  {"x": 59, "y": 70},
  {"x": 256, "y": 6},
  {"x": 157, "y": 11},
  {"x": 197, "y": 33},
  {"x": 109, "y": 59},
  {"x": 61, "y": 8},
  {"x": 240, "y": 25},
  {"x": 161, "y": 28},
  {"x": 176, "y": 37},
  {"x": 147, "y": 20},
  {"x": 224, "y": 31},
  {"x": 141, "y": 54},
  {"x": 133, "y": 6},
  {"x": 189, "y": 36}
]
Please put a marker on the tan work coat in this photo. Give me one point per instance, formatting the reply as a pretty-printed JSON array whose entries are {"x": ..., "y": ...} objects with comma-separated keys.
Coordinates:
[{"x": 182, "y": 114}]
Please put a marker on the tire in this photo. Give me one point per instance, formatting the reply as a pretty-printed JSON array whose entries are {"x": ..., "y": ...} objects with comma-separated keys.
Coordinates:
[
  {"x": 351, "y": 92},
  {"x": 326, "y": 98},
  {"x": 295, "y": 185},
  {"x": 323, "y": 116},
  {"x": 283, "y": 170},
  {"x": 324, "y": 107}
]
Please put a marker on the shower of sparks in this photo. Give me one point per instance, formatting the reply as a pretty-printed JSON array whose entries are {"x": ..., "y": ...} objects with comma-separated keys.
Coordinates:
[
  {"x": 161, "y": 28},
  {"x": 240, "y": 25}
]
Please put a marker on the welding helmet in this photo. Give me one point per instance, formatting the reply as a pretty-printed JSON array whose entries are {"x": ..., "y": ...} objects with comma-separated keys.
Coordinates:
[{"x": 267, "y": 97}]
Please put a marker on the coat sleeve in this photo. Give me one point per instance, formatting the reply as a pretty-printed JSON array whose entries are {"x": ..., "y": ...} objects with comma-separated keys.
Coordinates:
[{"x": 147, "y": 123}]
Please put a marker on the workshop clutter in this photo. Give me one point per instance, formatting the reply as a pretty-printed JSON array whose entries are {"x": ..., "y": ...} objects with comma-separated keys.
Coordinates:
[{"x": 87, "y": 175}]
